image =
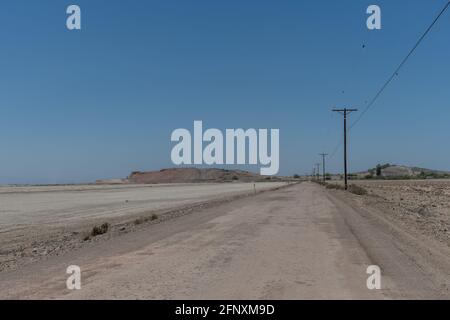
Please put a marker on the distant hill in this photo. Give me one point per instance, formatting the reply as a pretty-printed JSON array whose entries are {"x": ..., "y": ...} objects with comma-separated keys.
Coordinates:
[
  {"x": 194, "y": 175},
  {"x": 388, "y": 171}
]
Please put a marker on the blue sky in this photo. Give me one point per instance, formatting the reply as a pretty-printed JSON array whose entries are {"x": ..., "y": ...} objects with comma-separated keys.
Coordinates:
[{"x": 76, "y": 106}]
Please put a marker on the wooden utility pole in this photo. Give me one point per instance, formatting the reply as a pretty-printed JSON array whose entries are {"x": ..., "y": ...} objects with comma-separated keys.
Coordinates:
[
  {"x": 345, "y": 112},
  {"x": 323, "y": 164}
]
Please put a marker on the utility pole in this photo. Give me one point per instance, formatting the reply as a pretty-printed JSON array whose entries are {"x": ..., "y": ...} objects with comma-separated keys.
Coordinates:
[
  {"x": 345, "y": 112},
  {"x": 323, "y": 164}
]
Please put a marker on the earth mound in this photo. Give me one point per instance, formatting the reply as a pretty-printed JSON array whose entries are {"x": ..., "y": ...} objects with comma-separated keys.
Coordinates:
[{"x": 194, "y": 175}]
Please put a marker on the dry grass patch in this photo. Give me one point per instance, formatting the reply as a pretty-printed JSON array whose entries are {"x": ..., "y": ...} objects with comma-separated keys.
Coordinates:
[{"x": 360, "y": 191}]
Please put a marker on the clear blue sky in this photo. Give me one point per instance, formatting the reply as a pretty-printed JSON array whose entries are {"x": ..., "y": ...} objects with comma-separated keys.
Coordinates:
[{"x": 76, "y": 106}]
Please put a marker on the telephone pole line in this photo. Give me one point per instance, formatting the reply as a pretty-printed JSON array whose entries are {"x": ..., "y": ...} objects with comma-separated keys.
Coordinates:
[
  {"x": 323, "y": 164},
  {"x": 345, "y": 112}
]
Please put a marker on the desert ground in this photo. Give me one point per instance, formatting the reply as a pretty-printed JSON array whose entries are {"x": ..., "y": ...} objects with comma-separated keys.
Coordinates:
[
  {"x": 37, "y": 221},
  {"x": 421, "y": 205},
  {"x": 301, "y": 241}
]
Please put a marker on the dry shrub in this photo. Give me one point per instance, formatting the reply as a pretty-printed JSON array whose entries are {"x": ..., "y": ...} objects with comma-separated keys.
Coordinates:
[
  {"x": 99, "y": 230},
  {"x": 360, "y": 191}
]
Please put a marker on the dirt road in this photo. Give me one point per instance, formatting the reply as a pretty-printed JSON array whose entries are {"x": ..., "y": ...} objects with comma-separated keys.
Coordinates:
[{"x": 301, "y": 242}]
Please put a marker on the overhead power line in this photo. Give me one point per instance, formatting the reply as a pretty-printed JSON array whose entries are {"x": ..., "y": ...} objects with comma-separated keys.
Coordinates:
[{"x": 394, "y": 74}]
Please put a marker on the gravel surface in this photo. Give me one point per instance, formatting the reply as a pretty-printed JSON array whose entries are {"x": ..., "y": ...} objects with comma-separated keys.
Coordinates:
[{"x": 421, "y": 205}]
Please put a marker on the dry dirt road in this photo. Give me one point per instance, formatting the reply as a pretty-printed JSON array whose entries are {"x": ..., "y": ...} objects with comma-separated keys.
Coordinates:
[{"x": 300, "y": 242}]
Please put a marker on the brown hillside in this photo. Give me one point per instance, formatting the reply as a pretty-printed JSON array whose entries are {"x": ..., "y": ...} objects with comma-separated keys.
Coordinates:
[{"x": 190, "y": 175}]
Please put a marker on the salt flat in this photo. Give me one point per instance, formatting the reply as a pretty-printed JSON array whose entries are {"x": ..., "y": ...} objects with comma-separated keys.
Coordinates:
[{"x": 65, "y": 205}]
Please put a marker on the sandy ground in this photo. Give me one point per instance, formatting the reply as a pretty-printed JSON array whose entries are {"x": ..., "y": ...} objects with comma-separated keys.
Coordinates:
[
  {"x": 39, "y": 221},
  {"x": 303, "y": 241},
  {"x": 422, "y": 205}
]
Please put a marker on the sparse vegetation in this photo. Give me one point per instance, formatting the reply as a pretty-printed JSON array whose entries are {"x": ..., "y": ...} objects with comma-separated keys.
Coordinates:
[
  {"x": 378, "y": 170},
  {"x": 358, "y": 190},
  {"x": 433, "y": 175},
  {"x": 352, "y": 188},
  {"x": 142, "y": 220},
  {"x": 334, "y": 186},
  {"x": 99, "y": 230}
]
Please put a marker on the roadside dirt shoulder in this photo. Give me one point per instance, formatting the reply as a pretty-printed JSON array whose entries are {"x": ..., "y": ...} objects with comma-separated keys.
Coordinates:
[{"x": 428, "y": 255}]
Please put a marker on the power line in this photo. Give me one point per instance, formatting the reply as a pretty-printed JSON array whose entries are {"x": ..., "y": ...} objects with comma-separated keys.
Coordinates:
[
  {"x": 394, "y": 74},
  {"x": 336, "y": 149}
]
